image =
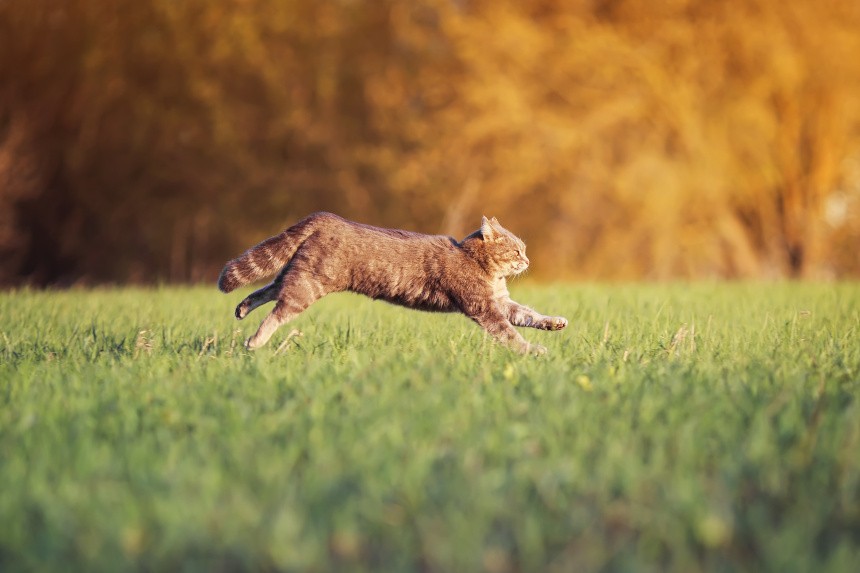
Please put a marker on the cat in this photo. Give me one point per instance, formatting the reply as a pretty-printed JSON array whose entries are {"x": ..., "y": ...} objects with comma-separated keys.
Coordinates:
[{"x": 325, "y": 253}]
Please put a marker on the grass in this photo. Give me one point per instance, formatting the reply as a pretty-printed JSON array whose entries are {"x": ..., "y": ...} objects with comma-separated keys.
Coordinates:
[{"x": 670, "y": 428}]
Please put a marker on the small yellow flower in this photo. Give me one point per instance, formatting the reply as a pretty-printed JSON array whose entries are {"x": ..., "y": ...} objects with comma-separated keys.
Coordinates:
[
  {"x": 133, "y": 540},
  {"x": 713, "y": 531},
  {"x": 584, "y": 382}
]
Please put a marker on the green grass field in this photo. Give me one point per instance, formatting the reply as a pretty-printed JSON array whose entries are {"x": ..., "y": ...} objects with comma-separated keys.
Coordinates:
[{"x": 671, "y": 428}]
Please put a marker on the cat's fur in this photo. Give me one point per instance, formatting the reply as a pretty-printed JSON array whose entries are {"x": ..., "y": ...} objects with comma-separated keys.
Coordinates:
[{"x": 324, "y": 253}]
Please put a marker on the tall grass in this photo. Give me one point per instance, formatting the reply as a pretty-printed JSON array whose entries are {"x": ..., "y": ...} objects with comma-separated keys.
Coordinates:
[{"x": 670, "y": 428}]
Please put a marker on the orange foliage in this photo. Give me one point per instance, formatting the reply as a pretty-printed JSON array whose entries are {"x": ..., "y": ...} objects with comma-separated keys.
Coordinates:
[{"x": 620, "y": 138}]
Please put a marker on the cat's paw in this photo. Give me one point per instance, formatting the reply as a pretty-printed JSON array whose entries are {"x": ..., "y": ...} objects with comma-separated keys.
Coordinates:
[
  {"x": 242, "y": 310},
  {"x": 536, "y": 350},
  {"x": 554, "y": 323}
]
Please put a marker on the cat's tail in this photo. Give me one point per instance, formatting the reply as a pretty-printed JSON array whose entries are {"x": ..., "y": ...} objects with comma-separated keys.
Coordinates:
[{"x": 263, "y": 260}]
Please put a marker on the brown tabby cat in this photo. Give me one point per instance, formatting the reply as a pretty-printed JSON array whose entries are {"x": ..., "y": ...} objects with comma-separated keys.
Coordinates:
[{"x": 324, "y": 253}]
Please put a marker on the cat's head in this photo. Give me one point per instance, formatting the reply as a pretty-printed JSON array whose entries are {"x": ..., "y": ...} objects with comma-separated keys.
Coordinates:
[{"x": 502, "y": 253}]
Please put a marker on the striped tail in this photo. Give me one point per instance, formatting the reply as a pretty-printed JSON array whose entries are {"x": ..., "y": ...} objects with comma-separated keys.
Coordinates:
[{"x": 260, "y": 261}]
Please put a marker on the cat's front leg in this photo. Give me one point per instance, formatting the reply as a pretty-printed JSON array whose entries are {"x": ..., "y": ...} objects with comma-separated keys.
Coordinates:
[
  {"x": 521, "y": 315},
  {"x": 493, "y": 320}
]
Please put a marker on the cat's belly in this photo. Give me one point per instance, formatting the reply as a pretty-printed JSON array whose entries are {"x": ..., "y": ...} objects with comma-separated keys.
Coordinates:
[
  {"x": 429, "y": 306},
  {"x": 402, "y": 288},
  {"x": 429, "y": 303},
  {"x": 416, "y": 298}
]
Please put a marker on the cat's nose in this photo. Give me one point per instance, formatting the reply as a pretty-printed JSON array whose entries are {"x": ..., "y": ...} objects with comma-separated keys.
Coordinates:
[{"x": 526, "y": 261}]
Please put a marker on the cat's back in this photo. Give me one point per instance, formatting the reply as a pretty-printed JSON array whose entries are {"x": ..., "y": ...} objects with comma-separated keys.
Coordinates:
[
  {"x": 334, "y": 232},
  {"x": 331, "y": 225},
  {"x": 368, "y": 254},
  {"x": 426, "y": 272}
]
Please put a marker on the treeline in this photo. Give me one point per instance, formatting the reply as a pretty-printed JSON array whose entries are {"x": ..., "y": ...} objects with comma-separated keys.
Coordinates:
[{"x": 152, "y": 140}]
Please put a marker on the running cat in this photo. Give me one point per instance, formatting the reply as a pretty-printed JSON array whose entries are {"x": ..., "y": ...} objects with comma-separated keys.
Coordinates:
[{"x": 324, "y": 253}]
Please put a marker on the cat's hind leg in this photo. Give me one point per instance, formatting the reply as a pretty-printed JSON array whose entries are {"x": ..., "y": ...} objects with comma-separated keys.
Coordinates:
[
  {"x": 258, "y": 298},
  {"x": 298, "y": 291}
]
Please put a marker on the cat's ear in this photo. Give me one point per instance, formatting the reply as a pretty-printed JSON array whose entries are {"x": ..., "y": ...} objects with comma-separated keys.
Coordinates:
[{"x": 487, "y": 229}]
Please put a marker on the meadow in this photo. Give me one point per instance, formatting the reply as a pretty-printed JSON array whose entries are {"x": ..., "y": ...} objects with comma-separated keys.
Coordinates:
[{"x": 703, "y": 427}]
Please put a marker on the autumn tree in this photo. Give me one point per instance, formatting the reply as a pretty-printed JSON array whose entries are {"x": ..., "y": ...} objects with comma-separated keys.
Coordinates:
[{"x": 623, "y": 139}]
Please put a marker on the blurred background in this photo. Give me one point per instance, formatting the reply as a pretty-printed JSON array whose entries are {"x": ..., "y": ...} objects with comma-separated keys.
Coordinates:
[{"x": 150, "y": 141}]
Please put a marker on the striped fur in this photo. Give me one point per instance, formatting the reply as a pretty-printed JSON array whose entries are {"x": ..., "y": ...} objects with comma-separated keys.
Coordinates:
[{"x": 325, "y": 253}]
